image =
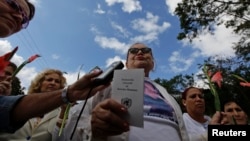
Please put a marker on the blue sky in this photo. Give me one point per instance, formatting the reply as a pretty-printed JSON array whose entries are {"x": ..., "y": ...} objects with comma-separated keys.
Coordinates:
[{"x": 68, "y": 34}]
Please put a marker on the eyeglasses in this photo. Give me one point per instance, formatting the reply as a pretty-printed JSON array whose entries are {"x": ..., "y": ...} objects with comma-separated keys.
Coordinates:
[
  {"x": 18, "y": 8},
  {"x": 136, "y": 50}
]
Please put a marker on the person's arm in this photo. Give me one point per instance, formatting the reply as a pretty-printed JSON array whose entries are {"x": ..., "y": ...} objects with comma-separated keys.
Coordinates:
[
  {"x": 6, "y": 104},
  {"x": 35, "y": 105},
  {"x": 38, "y": 104}
]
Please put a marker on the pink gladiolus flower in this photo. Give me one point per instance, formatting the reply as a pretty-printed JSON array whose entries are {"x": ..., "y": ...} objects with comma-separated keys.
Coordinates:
[
  {"x": 244, "y": 84},
  {"x": 4, "y": 60},
  {"x": 217, "y": 77},
  {"x": 3, "y": 64},
  {"x": 32, "y": 58}
]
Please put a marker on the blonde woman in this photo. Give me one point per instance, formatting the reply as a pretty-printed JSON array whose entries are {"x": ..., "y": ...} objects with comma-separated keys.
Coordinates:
[{"x": 40, "y": 128}]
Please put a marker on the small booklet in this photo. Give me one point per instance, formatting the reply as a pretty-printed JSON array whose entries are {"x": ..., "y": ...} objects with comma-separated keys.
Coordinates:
[{"x": 128, "y": 89}]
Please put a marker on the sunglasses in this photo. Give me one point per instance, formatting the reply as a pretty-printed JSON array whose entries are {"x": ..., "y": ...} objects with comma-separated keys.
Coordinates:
[
  {"x": 136, "y": 50},
  {"x": 19, "y": 9}
]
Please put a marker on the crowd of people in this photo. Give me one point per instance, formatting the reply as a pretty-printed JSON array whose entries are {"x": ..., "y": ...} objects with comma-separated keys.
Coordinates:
[
  {"x": 16, "y": 110},
  {"x": 38, "y": 114},
  {"x": 40, "y": 127}
]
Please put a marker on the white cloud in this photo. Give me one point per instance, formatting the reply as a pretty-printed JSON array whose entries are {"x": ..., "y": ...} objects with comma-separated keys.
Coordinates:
[
  {"x": 149, "y": 24},
  {"x": 55, "y": 56},
  {"x": 111, "y": 43},
  {"x": 200, "y": 83},
  {"x": 127, "y": 5},
  {"x": 35, "y": 2},
  {"x": 149, "y": 28},
  {"x": 172, "y": 4},
  {"x": 116, "y": 58},
  {"x": 26, "y": 75},
  {"x": 179, "y": 63},
  {"x": 94, "y": 29},
  {"x": 71, "y": 77},
  {"x": 5, "y": 46},
  {"x": 121, "y": 30},
  {"x": 218, "y": 44},
  {"x": 99, "y": 10}
]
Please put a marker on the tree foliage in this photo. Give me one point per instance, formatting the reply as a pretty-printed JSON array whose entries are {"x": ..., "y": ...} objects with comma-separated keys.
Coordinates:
[
  {"x": 17, "y": 89},
  {"x": 176, "y": 84},
  {"x": 197, "y": 16},
  {"x": 230, "y": 85}
]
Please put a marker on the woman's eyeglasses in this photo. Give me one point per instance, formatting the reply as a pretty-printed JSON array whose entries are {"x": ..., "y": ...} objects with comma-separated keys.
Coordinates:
[
  {"x": 136, "y": 50},
  {"x": 18, "y": 8}
]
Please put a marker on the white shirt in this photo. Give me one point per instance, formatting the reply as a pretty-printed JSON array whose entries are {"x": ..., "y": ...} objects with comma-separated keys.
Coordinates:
[{"x": 196, "y": 130}]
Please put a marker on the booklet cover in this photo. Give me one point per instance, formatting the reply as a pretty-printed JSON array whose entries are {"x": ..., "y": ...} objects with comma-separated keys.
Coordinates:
[{"x": 128, "y": 89}]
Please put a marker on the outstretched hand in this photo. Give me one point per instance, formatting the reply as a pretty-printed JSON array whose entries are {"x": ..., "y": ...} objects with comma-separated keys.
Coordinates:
[{"x": 80, "y": 89}]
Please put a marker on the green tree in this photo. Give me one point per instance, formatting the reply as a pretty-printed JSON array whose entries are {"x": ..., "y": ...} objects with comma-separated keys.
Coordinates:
[
  {"x": 17, "y": 89},
  {"x": 230, "y": 85},
  {"x": 176, "y": 84},
  {"x": 197, "y": 16}
]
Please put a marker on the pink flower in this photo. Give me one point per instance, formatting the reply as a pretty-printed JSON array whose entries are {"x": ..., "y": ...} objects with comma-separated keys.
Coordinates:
[
  {"x": 217, "y": 77},
  {"x": 4, "y": 60},
  {"x": 244, "y": 84},
  {"x": 32, "y": 58}
]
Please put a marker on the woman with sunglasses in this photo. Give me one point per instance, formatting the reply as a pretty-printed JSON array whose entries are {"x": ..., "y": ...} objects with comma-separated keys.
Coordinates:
[{"x": 162, "y": 114}]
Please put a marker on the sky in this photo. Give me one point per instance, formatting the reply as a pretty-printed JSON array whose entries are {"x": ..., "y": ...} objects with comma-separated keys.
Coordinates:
[{"x": 75, "y": 36}]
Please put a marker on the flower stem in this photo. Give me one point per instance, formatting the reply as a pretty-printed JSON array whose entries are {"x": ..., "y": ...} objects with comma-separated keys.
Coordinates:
[{"x": 65, "y": 116}]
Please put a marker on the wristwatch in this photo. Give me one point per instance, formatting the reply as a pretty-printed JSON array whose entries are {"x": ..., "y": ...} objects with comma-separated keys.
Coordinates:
[{"x": 64, "y": 95}]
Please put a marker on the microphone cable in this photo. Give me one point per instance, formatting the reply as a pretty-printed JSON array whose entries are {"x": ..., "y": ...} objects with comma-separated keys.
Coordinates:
[{"x": 78, "y": 118}]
